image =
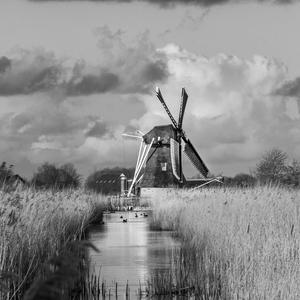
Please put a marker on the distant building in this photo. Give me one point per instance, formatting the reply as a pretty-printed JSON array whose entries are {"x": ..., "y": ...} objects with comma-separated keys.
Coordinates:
[{"x": 109, "y": 184}]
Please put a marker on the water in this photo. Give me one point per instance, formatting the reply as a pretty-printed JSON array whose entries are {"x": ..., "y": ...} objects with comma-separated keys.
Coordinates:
[{"x": 129, "y": 252}]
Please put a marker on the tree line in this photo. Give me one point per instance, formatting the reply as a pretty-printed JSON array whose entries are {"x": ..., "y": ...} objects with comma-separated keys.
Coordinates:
[
  {"x": 66, "y": 176},
  {"x": 274, "y": 167}
]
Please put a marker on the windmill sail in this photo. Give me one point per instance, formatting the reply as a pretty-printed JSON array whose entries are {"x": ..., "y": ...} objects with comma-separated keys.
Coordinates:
[
  {"x": 161, "y": 99},
  {"x": 194, "y": 157},
  {"x": 175, "y": 157},
  {"x": 184, "y": 97}
]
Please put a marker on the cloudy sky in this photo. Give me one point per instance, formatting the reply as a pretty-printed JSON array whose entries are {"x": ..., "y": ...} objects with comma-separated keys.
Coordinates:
[{"x": 75, "y": 75}]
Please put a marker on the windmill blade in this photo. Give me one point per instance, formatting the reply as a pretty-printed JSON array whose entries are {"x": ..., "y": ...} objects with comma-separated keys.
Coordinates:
[
  {"x": 184, "y": 97},
  {"x": 194, "y": 157},
  {"x": 175, "y": 158},
  {"x": 132, "y": 136},
  {"x": 161, "y": 99},
  {"x": 140, "y": 132}
]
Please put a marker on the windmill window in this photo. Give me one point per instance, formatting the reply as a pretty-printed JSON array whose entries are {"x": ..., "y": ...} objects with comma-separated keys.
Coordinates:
[{"x": 163, "y": 166}]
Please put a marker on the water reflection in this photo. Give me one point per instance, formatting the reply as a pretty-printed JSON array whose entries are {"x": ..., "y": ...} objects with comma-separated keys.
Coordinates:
[{"x": 129, "y": 251}]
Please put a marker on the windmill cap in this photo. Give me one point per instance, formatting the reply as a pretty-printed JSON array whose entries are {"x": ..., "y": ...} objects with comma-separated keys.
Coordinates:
[{"x": 157, "y": 89}]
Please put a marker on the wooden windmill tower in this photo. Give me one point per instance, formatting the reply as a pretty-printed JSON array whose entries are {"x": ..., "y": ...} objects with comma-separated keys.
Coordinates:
[{"x": 159, "y": 163}]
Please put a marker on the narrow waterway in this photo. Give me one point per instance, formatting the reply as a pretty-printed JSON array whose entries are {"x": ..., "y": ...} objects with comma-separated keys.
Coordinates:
[{"x": 129, "y": 251}]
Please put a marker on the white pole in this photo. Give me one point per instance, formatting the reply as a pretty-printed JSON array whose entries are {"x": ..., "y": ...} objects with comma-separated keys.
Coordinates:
[
  {"x": 138, "y": 159},
  {"x": 137, "y": 168},
  {"x": 200, "y": 186},
  {"x": 140, "y": 179},
  {"x": 140, "y": 132},
  {"x": 132, "y": 136},
  {"x": 144, "y": 157}
]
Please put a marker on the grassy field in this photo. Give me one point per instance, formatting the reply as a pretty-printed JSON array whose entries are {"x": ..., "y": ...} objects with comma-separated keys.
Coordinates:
[
  {"x": 40, "y": 232},
  {"x": 236, "y": 243}
]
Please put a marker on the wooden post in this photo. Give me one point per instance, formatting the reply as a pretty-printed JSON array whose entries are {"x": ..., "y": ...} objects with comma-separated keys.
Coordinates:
[
  {"x": 140, "y": 290},
  {"x": 103, "y": 289},
  {"x": 127, "y": 289},
  {"x": 98, "y": 287}
]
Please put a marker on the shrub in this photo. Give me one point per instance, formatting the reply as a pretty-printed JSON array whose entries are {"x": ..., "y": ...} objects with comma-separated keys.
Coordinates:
[
  {"x": 6, "y": 172},
  {"x": 273, "y": 168},
  {"x": 50, "y": 176},
  {"x": 292, "y": 176},
  {"x": 240, "y": 180}
]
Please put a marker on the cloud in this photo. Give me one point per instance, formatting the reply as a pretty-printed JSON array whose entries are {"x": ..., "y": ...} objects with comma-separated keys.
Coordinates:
[
  {"x": 123, "y": 69},
  {"x": 47, "y": 131},
  {"x": 29, "y": 72},
  {"x": 167, "y": 3},
  {"x": 93, "y": 84},
  {"x": 235, "y": 110},
  {"x": 97, "y": 129},
  {"x": 5, "y": 63},
  {"x": 138, "y": 65},
  {"x": 232, "y": 115},
  {"x": 290, "y": 88}
]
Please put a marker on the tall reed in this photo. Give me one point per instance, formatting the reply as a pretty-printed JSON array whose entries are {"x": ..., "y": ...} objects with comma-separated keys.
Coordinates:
[
  {"x": 242, "y": 243},
  {"x": 37, "y": 228}
]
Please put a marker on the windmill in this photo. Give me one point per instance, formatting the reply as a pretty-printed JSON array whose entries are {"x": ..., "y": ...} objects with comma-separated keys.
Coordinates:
[{"x": 159, "y": 162}]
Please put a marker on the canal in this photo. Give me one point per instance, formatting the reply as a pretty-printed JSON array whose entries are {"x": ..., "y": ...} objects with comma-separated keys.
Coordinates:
[{"x": 129, "y": 252}]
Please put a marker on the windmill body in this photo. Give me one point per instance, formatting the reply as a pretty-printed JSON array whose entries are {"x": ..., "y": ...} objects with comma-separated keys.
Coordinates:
[
  {"x": 159, "y": 163},
  {"x": 160, "y": 170}
]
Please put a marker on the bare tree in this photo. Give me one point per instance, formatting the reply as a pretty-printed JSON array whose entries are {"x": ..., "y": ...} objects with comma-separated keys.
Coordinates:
[
  {"x": 243, "y": 180},
  {"x": 50, "y": 176},
  {"x": 68, "y": 176},
  {"x": 292, "y": 177},
  {"x": 272, "y": 167},
  {"x": 5, "y": 172}
]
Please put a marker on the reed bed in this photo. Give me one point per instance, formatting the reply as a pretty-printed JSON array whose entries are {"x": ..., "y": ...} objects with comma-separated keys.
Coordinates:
[
  {"x": 40, "y": 231},
  {"x": 236, "y": 243}
]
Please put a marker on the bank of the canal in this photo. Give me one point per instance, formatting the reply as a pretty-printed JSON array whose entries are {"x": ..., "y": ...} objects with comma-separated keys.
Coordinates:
[{"x": 130, "y": 253}]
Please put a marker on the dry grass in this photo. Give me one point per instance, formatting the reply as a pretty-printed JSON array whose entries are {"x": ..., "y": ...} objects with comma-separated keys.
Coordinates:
[
  {"x": 242, "y": 243},
  {"x": 37, "y": 228}
]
